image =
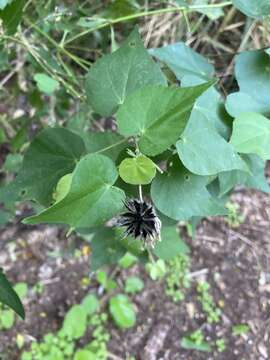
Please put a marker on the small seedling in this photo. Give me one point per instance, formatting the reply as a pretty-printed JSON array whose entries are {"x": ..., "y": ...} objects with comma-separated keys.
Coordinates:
[
  {"x": 195, "y": 341},
  {"x": 240, "y": 329},
  {"x": 234, "y": 218},
  {"x": 208, "y": 305},
  {"x": 133, "y": 285}
]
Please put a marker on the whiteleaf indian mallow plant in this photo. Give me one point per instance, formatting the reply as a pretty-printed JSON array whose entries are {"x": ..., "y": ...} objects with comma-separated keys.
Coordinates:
[{"x": 177, "y": 150}]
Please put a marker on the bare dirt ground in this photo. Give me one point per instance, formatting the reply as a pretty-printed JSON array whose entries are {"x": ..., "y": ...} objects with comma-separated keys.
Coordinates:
[{"x": 235, "y": 261}]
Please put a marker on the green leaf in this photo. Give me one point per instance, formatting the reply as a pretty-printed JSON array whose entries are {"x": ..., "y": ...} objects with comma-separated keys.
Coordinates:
[
  {"x": 252, "y": 70},
  {"x": 11, "y": 16},
  {"x": 158, "y": 115},
  {"x": 119, "y": 74},
  {"x": 255, "y": 179},
  {"x": 209, "y": 157},
  {"x": 133, "y": 285},
  {"x": 9, "y": 297},
  {"x": 170, "y": 245},
  {"x": 139, "y": 170},
  {"x": 46, "y": 84},
  {"x": 122, "y": 311},
  {"x": 253, "y": 8},
  {"x": 240, "y": 102},
  {"x": 21, "y": 289},
  {"x": 92, "y": 198},
  {"x": 90, "y": 304},
  {"x": 181, "y": 195},
  {"x": 211, "y": 13},
  {"x": 189, "y": 344},
  {"x": 108, "y": 143},
  {"x": 183, "y": 61},
  {"x": 62, "y": 187},
  {"x": 51, "y": 155},
  {"x": 7, "y": 319},
  {"x": 75, "y": 322},
  {"x": 251, "y": 135},
  {"x": 240, "y": 329},
  {"x": 85, "y": 355},
  {"x": 156, "y": 270},
  {"x": 106, "y": 249}
]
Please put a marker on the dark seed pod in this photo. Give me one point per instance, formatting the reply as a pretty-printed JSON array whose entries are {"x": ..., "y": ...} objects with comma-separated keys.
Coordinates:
[{"x": 140, "y": 221}]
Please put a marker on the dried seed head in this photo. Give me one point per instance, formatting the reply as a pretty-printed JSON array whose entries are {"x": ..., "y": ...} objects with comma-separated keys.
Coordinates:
[{"x": 141, "y": 221}]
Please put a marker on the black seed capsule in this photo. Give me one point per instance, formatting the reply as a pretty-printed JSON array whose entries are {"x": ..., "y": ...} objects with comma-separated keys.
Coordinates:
[{"x": 140, "y": 221}]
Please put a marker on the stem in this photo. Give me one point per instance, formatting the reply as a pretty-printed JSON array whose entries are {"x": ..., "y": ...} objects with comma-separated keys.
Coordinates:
[
  {"x": 111, "y": 146},
  {"x": 140, "y": 193},
  {"x": 150, "y": 13}
]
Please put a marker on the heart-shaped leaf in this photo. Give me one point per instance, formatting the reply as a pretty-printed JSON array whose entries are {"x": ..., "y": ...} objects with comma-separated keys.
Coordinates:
[
  {"x": 117, "y": 75},
  {"x": 157, "y": 115},
  {"x": 92, "y": 198},
  {"x": 139, "y": 170}
]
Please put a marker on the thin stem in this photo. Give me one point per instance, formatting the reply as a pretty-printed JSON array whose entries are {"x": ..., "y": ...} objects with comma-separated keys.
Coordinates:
[
  {"x": 111, "y": 146},
  {"x": 58, "y": 47},
  {"x": 190, "y": 8},
  {"x": 140, "y": 193}
]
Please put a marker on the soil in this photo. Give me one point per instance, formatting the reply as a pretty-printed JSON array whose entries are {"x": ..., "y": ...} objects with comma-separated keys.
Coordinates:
[{"x": 235, "y": 261}]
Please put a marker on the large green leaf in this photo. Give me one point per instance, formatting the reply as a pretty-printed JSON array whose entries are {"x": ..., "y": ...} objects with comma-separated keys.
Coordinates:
[
  {"x": 206, "y": 157},
  {"x": 253, "y": 76},
  {"x": 51, "y": 155},
  {"x": 158, "y": 115},
  {"x": 171, "y": 244},
  {"x": 181, "y": 195},
  {"x": 106, "y": 249},
  {"x": 251, "y": 135},
  {"x": 117, "y": 75},
  {"x": 9, "y": 297},
  {"x": 184, "y": 61},
  {"x": 253, "y": 8},
  {"x": 92, "y": 198},
  {"x": 255, "y": 179},
  {"x": 11, "y": 15}
]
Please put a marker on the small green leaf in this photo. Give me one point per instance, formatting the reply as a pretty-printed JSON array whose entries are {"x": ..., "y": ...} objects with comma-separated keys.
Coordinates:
[
  {"x": 9, "y": 297},
  {"x": 75, "y": 322},
  {"x": 156, "y": 270},
  {"x": 253, "y": 8},
  {"x": 133, "y": 285},
  {"x": 157, "y": 115},
  {"x": 21, "y": 289},
  {"x": 181, "y": 195},
  {"x": 251, "y": 135},
  {"x": 170, "y": 245},
  {"x": 62, "y": 187},
  {"x": 90, "y": 304},
  {"x": 122, "y": 311},
  {"x": 139, "y": 170},
  {"x": 7, "y": 319},
  {"x": 119, "y": 74},
  {"x": 85, "y": 355},
  {"x": 92, "y": 198},
  {"x": 46, "y": 84},
  {"x": 127, "y": 260},
  {"x": 240, "y": 329},
  {"x": 189, "y": 344}
]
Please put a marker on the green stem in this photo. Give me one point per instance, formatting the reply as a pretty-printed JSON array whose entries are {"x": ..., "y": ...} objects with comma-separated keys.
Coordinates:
[
  {"x": 60, "y": 48},
  {"x": 111, "y": 146},
  {"x": 150, "y": 13}
]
